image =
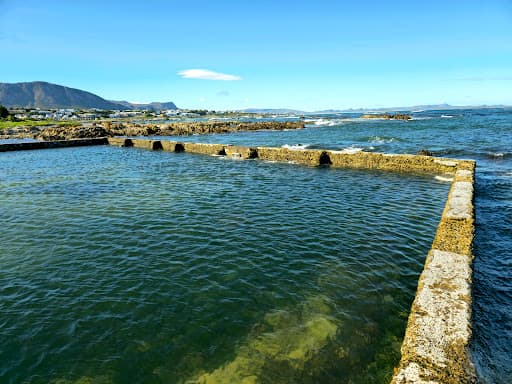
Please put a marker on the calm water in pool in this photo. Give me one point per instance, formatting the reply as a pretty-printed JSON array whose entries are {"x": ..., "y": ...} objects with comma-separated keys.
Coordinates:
[{"x": 124, "y": 265}]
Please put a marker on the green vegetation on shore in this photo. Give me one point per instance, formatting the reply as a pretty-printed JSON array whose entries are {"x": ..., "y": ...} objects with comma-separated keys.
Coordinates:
[
  {"x": 4, "y": 124},
  {"x": 4, "y": 112}
]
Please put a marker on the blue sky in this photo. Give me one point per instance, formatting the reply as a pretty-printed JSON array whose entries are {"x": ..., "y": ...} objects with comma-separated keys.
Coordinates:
[{"x": 271, "y": 54}]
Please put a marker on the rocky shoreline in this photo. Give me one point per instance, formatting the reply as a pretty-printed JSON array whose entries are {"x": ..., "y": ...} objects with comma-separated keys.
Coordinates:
[
  {"x": 112, "y": 129},
  {"x": 387, "y": 116}
]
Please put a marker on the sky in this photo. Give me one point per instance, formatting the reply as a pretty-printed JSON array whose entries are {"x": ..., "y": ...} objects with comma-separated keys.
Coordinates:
[{"x": 226, "y": 55}]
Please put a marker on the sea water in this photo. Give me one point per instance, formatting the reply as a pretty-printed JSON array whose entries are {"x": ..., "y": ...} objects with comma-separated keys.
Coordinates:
[{"x": 123, "y": 265}]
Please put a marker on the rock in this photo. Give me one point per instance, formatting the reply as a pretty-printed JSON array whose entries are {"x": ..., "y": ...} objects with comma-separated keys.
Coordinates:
[
  {"x": 424, "y": 152},
  {"x": 68, "y": 133},
  {"x": 387, "y": 116},
  {"x": 111, "y": 129}
]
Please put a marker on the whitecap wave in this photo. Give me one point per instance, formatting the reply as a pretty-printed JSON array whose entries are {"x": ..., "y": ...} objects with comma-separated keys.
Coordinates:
[
  {"x": 324, "y": 122},
  {"x": 349, "y": 150},
  {"x": 447, "y": 116},
  {"x": 420, "y": 118},
  {"x": 444, "y": 179},
  {"x": 381, "y": 140},
  {"x": 295, "y": 147}
]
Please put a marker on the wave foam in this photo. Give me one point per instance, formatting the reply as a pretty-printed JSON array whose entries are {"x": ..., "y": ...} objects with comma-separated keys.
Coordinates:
[
  {"x": 349, "y": 150},
  {"x": 295, "y": 147},
  {"x": 420, "y": 118},
  {"x": 324, "y": 122},
  {"x": 381, "y": 140},
  {"x": 444, "y": 178}
]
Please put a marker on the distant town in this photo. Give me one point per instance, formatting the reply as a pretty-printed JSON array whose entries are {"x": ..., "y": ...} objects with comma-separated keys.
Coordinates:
[{"x": 71, "y": 114}]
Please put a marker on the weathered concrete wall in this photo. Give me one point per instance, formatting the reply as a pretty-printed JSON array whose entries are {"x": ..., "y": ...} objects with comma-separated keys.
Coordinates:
[
  {"x": 235, "y": 151},
  {"x": 310, "y": 157},
  {"x": 307, "y": 156},
  {"x": 338, "y": 159},
  {"x": 120, "y": 141},
  {"x": 52, "y": 144},
  {"x": 436, "y": 342},
  {"x": 390, "y": 162},
  {"x": 173, "y": 146},
  {"x": 205, "y": 149}
]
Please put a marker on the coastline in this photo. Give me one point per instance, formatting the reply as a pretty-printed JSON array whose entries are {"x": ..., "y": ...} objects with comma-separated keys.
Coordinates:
[{"x": 112, "y": 129}]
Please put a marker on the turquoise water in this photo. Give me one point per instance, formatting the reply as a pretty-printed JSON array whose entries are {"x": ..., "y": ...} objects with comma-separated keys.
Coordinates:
[{"x": 124, "y": 265}]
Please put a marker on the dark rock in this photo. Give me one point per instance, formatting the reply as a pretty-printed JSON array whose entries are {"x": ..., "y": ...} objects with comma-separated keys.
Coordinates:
[{"x": 424, "y": 152}]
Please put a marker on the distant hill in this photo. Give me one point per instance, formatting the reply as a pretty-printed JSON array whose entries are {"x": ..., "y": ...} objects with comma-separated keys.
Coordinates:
[
  {"x": 416, "y": 108},
  {"x": 276, "y": 111},
  {"x": 40, "y": 94},
  {"x": 156, "y": 106}
]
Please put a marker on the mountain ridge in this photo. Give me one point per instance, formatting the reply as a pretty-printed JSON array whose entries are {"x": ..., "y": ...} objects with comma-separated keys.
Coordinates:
[
  {"x": 41, "y": 94},
  {"x": 416, "y": 108}
]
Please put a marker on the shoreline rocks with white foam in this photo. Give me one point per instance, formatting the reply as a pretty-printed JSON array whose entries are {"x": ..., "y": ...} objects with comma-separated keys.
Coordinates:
[{"x": 112, "y": 129}]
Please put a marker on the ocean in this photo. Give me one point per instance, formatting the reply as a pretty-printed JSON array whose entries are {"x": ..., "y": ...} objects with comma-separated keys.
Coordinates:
[{"x": 122, "y": 265}]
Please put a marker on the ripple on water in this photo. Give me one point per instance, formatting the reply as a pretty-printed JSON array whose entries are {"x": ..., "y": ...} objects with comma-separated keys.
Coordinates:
[{"x": 122, "y": 265}]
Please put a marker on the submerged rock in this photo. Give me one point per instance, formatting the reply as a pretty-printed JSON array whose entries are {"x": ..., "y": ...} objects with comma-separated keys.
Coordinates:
[
  {"x": 288, "y": 338},
  {"x": 103, "y": 379}
]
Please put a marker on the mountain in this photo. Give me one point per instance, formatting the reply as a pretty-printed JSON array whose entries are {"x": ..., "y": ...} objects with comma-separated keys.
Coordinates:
[
  {"x": 40, "y": 94},
  {"x": 417, "y": 108},
  {"x": 156, "y": 106},
  {"x": 273, "y": 111}
]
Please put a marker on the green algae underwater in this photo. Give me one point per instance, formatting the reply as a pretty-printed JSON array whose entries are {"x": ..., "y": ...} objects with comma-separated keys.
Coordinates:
[{"x": 123, "y": 265}]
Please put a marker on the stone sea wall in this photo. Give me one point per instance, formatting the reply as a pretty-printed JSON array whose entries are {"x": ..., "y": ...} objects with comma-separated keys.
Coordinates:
[
  {"x": 436, "y": 343},
  {"x": 310, "y": 157},
  {"x": 52, "y": 144}
]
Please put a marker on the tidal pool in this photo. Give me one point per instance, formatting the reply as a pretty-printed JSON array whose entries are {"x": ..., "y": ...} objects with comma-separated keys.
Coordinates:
[{"x": 121, "y": 265}]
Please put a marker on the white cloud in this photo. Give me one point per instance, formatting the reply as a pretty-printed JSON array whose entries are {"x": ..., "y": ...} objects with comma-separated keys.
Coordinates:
[{"x": 205, "y": 74}]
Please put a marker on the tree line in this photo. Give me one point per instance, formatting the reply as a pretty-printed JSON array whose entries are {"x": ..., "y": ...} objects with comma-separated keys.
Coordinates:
[{"x": 4, "y": 112}]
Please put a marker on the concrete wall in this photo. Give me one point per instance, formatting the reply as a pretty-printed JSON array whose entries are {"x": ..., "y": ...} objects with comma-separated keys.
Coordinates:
[
  {"x": 52, "y": 144},
  {"x": 436, "y": 343},
  {"x": 389, "y": 162},
  {"x": 338, "y": 159}
]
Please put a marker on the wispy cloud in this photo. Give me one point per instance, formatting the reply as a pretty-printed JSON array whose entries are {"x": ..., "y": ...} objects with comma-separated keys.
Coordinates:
[
  {"x": 205, "y": 74},
  {"x": 223, "y": 93}
]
